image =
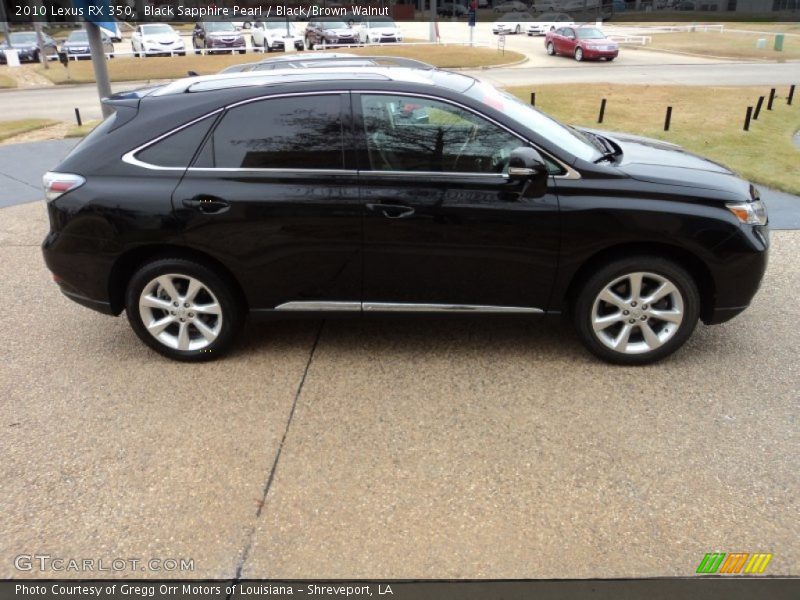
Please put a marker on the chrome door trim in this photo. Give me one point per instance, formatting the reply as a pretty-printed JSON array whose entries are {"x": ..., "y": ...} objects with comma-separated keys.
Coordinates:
[
  {"x": 318, "y": 305},
  {"x": 447, "y": 308},
  {"x": 339, "y": 306}
]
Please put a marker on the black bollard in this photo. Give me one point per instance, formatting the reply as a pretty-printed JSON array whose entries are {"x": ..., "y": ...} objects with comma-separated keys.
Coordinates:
[
  {"x": 602, "y": 110},
  {"x": 668, "y": 118},
  {"x": 533, "y": 98},
  {"x": 78, "y": 116},
  {"x": 791, "y": 95},
  {"x": 747, "y": 118},
  {"x": 771, "y": 99},
  {"x": 758, "y": 107}
]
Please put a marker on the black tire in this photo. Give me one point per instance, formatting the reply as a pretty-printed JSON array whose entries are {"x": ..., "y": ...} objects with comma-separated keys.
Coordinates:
[
  {"x": 231, "y": 309},
  {"x": 36, "y": 56},
  {"x": 584, "y": 306},
  {"x": 609, "y": 59},
  {"x": 309, "y": 44},
  {"x": 551, "y": 49},
  {"x": 579, "y": 54},
  {"x": 517, "y": 30}
]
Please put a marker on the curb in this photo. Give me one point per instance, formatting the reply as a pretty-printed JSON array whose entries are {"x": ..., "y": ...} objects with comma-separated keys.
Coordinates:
[
  {"x": 487, "y": 68},
  {"x": 709, "y": 56}
]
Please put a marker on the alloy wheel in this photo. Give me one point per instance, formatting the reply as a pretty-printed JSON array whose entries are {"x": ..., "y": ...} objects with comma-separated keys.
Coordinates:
[
  {"x": 637, "y": 313},
  {"x": 180, "y": 312}
]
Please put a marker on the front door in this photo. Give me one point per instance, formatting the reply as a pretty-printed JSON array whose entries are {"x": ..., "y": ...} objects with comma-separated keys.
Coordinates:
[{"x": 444, "y": 226}]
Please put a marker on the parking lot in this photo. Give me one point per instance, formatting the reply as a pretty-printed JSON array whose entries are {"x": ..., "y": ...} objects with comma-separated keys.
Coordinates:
[{"x": 395, "y": 447}]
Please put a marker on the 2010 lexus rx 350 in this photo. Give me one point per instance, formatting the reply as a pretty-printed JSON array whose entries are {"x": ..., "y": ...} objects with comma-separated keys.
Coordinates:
[{"x": 334, "y": 191}]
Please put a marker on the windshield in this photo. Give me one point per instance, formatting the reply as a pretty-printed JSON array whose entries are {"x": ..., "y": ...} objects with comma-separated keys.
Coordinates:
[
  {"x": 23, "y": 38},
  {"x": 220, "y": 26},
  {"x": 589, "y": 34},
  {"x": 77, "y": 36},
  {"x": 334, "y": 25},
  {"x": 562, "y": 136},
  {"x": 152, "y": 29},
  {"x": 380, "y": 23}
]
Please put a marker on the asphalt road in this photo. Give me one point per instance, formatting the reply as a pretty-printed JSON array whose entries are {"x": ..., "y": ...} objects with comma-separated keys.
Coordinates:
[{"x": 396, "y": 447}]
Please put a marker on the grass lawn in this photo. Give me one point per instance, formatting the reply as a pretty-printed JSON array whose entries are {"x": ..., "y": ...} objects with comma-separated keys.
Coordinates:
[
  {"x": 77, "y": 131},
  {"x": 11, "y": 128},
  {"x": 705, "y": 120},
  {"x": 733, "y": 45},
  {"x": 139, "y": 69},
  {"x": 7, "y": 82}
]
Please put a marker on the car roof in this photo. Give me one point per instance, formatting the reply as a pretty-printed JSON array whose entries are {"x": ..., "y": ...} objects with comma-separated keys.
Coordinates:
[{"x": 223, "y": 81}]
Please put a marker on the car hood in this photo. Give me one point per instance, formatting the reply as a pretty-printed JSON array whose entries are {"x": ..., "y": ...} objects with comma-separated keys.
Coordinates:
[
  {"x": 224, "y": 34},
  {"x": 340, "y": 32},
  {"x": 161, "y": 38},
  {"x": 654, "y": 161},
  {"x": 18, "y": 46},
  {"x": 383, "y": 30},
  {"x": 75, "y": 44}
]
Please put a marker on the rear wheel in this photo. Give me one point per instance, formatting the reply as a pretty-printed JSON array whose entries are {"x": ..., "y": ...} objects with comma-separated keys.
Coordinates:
[
  {"x": 637, "y": 310},
  {"x": 578, "y": 54},
  {"x": 551, "y": 49},
  {"x": 182, "y": 309}
]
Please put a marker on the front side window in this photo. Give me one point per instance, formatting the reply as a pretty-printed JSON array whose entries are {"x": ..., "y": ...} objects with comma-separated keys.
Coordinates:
[
  {"x": 296, "y": 132},
  {"x": 406, "y": 133}
]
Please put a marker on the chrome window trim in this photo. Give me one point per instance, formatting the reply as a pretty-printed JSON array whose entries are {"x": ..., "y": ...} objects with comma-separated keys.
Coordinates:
[
  {"x": 570, "y": 172},
  {"x": 394, "y": 307},
  {"x": 130, "y": 156},
  {"x": 274, "y": 170}
]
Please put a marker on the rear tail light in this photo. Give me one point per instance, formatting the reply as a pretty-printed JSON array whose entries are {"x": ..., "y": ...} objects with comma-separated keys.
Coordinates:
[{"x": 56, "y": 184}]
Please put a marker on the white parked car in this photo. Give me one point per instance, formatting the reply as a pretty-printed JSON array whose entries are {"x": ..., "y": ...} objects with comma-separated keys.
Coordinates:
[
  {"x": 379, "y": 30},
  {"x": 275, "y": 35},
  {"x": 152, "y": 39},
  {"x": 549, "y": 22},
  {"x": 512, "y": 23}
]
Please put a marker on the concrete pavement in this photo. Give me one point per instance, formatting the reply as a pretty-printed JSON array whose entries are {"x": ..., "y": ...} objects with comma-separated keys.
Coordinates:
[{"x": 411, "y": 447}]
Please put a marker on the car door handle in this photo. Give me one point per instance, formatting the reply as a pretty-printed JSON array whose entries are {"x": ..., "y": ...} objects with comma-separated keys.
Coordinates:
[
  {"x": 207, "y": 205},
  {"x": 392, "y": 211}
]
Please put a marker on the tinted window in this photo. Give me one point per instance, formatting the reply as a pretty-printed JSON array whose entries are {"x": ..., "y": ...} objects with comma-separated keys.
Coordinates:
[
  {"x": 302, "y": 132},
  {"x": 177, "y": 149},
  {"x": 419, "y": 134}
]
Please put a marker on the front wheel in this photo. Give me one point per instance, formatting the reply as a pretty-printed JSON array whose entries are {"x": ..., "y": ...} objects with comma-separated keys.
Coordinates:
[
  {"x": 517, "y": 30},
  {"x": 637, "y": 310},
  {"x": 551, "y": 49},
  {"x": 578, "y": 54},
  {"x": 182, "y": 309}
]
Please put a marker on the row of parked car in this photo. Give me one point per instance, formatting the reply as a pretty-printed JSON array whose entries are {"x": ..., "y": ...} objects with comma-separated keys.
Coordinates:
[{"x": 75, "y": 46}]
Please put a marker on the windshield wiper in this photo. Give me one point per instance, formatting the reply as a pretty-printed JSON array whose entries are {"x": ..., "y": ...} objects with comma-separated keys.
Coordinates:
[{"x": 611, "y": 151}]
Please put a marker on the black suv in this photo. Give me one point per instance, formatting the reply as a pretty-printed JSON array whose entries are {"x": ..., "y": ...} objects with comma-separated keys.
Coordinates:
[{"x": 378, "y": 189}]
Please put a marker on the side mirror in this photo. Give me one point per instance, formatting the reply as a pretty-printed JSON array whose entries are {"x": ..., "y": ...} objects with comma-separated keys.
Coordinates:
[{"x": 526, "y": 164}]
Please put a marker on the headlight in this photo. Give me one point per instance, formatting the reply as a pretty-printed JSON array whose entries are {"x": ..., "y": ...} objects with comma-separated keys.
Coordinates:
[{"x": 750, "y": 213}]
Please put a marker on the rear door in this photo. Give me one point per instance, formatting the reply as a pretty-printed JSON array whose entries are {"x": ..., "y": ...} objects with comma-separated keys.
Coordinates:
[{"x": 273, "y": 195}]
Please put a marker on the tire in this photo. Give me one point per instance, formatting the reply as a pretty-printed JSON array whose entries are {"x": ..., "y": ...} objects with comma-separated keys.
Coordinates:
[
  {"x": 578, "y": 54},
  {"x": 600, "y": 309},
  {"x": 609, "y": 59},
  {"x": 36, "y": 56},
  {"x": 517, "y": 30},
  {"x": 186, "y": 326},
  {"x": 309, "y": 45},
  {"x": 551, "y": 49}
]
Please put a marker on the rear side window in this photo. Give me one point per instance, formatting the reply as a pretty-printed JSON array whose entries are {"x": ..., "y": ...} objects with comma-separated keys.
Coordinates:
[
  {"x": 177, "y": 149},
  {"x": 298, "y": 132}
]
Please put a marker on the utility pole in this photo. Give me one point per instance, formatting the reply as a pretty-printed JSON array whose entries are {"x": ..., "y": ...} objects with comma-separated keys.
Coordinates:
[
  {"x": 4, "y": 22},
  {"x": 99, "y": 64},
  {"x": 37, "y": 27},
  {"x": 432, "y": 34}
]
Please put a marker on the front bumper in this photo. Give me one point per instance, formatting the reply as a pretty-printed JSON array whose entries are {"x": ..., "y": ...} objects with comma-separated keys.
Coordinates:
[
  {"x": 163, "y": 49},
  {"x": 590, "y": 53}
]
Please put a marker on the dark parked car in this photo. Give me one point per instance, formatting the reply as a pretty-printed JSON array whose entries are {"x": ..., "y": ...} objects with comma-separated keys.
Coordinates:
[
  {"x": 581, "y": 43},
  {"x": 385, "y": 190},
  {"x": 77, "y": 45},
  {"x": 218, "y": 36},
  {"x": 329, "y": 32},
  {"x": 27, "y": 46}
]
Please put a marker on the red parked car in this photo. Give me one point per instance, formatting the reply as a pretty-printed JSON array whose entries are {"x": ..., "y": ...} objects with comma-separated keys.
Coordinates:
[{"x": 580, "y": 42}]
